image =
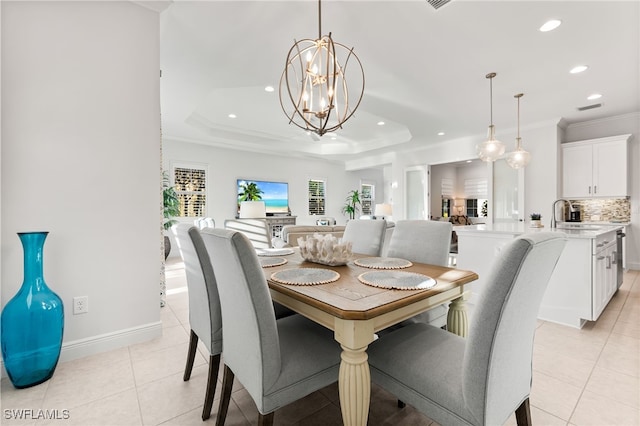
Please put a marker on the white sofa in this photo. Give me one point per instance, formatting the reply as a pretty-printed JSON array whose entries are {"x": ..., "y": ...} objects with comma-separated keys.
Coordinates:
[{"x": 290, "y": 234}]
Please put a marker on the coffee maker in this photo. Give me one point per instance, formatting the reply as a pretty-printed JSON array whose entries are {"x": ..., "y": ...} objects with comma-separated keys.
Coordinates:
[{"x": 574, "y": 214}]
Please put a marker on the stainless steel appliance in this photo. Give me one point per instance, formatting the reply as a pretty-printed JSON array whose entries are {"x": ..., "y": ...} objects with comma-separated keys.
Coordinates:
[{"x": 620, "y": 254}]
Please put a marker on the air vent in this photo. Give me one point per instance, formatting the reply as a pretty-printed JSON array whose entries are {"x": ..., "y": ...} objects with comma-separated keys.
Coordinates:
[
  {"x": 437, "y": 4},
  {"x": 584, "y": 108}
]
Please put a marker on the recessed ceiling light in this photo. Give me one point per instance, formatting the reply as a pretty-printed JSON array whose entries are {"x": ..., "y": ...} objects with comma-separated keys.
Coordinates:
[
  {"x": 469, "y": 161},
  {"x": 232, "y": 116},
  {"x": 269, "y": 89},
  {"x": 594, "y": 96},
  {"x": 550, "y": 25},
  {"x": 578, "y": 69},
  {"x": 440, "y": 133},
  {"x": 380, "y": 123}
]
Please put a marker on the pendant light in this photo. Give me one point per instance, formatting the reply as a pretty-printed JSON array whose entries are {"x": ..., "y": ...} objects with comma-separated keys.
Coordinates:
[
  {"x": 491, "y": 149},
  {"x": 314, "y": 93},
  {"x": 519, "y": 158}
]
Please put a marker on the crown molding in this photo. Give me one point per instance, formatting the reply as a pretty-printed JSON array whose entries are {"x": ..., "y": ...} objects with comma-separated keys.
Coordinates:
[
  {"x": 600, "y": 121},
  {"x": 155, "y": 5}
]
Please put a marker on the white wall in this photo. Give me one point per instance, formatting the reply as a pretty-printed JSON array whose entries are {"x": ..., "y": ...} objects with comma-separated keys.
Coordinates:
[
  {"x": 225, "y": 166},
  {"x": 81, "y": 159},
  {"x": 540, "y": 176}
]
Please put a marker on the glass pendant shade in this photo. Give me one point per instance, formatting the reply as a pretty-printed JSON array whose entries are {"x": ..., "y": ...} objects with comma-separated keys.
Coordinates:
[
  {"x": 519, "y": 158},
  {"x": 491, "y": 149}
]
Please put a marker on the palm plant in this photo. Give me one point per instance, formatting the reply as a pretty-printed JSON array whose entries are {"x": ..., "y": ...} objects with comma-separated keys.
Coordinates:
[
  {"x": 171, "y": 203},
  {"x": 353, "y": 203}
]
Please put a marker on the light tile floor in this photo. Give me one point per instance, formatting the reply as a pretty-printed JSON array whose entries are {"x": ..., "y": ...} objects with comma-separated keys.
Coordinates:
[{"x": 581, "y": 377}]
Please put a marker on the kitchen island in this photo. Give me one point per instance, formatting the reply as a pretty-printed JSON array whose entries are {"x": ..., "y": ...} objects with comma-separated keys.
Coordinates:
[{"x": 583, "y": 282}]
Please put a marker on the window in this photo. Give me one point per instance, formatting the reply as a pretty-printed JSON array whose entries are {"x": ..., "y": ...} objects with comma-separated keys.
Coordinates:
[
  {"x": 446, "y": 188},
  {"x": 446, "y": 191},
  {"x": 476, "y": 192},
  {"x": 446, "y": 207},
  {"x": 316, "y": 196},
  {"x": 367, "y": 195},
  {"x": 191, "y": 187},
  {"x": 477, "y": 207}
]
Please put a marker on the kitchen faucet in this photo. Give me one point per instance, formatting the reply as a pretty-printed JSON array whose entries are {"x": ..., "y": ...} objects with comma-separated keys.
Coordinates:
[{"x": 553, "y": 208}]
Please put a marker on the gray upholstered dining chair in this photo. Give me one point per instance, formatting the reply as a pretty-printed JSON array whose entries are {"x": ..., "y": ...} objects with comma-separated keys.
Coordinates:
[
  {"x": 366, "y": 236},
  {"x": 277, "y": 361},
  {"x": 423, "y": 241},
  {"x": 205, "y": 318},
  {"x": 483, "y": 379},
  {"x": 256, "y": 230},
  {"x": 204, "y": 222}
]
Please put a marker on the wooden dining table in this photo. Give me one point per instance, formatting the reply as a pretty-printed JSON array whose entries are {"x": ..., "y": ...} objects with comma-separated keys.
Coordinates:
[{"x": 356, "y": 312}]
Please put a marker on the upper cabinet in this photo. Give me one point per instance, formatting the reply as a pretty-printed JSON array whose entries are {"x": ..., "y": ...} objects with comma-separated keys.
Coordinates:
[{"x": 596, "y": 168}]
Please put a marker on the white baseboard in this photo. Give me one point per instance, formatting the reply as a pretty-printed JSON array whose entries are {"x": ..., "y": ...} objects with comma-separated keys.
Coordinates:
[
  {"x": 106, "y": 342},
  {"x": 633, "y": 266}
]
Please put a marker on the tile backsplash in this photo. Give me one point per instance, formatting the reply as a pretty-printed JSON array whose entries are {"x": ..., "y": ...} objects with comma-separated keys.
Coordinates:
[{"x": 604, "y": 209}]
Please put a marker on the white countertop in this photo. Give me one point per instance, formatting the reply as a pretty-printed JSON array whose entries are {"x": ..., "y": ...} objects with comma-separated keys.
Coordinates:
[{"x": 593, "y": 231}]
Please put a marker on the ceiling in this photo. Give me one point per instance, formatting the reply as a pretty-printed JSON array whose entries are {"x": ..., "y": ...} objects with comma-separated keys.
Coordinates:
[{"x": 425, "y": 69}]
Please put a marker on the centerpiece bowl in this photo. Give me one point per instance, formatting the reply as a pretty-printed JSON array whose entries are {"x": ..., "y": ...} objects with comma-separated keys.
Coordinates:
[{"x": 325, "y": 249}]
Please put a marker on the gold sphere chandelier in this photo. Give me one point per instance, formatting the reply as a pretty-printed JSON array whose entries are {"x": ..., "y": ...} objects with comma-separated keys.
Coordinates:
[
  {"x": 314, "y": 84},
  {"x": 491, "y": 149},
  {"x": 519, "y": 158}
]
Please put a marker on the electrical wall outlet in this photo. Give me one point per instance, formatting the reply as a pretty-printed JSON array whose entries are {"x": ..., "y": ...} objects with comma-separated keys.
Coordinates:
[{"x": 80, "y": 305}]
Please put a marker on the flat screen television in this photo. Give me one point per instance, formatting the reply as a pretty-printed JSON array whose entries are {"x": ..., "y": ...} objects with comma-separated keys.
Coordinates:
[{"x": 274, "y": 194}]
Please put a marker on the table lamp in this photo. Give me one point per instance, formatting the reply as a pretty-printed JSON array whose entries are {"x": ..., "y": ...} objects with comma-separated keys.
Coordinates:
[
  {"x": 383, "y": 210},
  {"x": 459, "y": 205}
]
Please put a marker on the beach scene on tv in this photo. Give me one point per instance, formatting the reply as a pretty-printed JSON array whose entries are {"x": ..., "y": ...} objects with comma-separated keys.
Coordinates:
[{"x": 274, "y": 194}]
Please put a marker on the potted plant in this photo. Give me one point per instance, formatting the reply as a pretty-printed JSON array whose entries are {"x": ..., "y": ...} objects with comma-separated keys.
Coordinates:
[
  {"x": 352, "y": 204},
  {"x": 536, "y": 220},
  {"x": 171, "y": 209}
]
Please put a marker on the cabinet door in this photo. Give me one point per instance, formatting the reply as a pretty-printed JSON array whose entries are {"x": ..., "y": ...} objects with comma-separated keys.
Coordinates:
[
  {"x": 599, "y": 284},
  {"x": 604, "y": 280},
  {"x": 610, "y": 169},
  {"x": 612, "y": 272},
  {"x": 577, "y": 171}
]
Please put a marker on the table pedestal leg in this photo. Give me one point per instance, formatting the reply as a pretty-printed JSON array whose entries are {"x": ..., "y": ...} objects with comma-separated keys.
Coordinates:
[
  {"x": 457, "y": 321},
  {"x": 354, "y": 386}
]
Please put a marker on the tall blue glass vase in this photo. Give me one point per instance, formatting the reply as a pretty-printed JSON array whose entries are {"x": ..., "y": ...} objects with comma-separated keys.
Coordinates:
[{"x": 32, "y": 321}]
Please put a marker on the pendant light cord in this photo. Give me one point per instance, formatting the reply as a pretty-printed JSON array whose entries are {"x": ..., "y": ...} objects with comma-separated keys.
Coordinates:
[
  {"x": 518, "y": 116},
  {"x": 490, "y": 77},
  {"x": 491, "y": 99},
  {"x": 319, "y": 19},
  {"x": 518, "y": 96}
]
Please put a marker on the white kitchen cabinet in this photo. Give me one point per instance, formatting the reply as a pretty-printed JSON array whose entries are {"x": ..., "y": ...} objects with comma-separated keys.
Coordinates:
[
  {"x": 581, "y": 286},
  {"x": 595, "y": 168},
  {"x": 604, "y": 273}
]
